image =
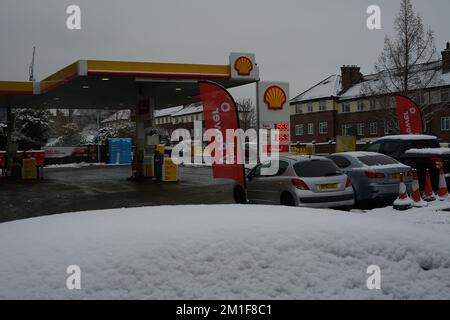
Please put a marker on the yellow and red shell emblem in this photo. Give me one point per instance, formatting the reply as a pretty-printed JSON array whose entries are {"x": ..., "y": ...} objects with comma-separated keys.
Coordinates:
[
  {"x": 243, "y": 66},
  {"x": 275, "y": 97}
]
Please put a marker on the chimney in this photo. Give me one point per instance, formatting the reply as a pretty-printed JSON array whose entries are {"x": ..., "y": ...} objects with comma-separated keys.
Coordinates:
[
  {"x": 446, "y": 58},
  {"x": 350, "y": 76}
]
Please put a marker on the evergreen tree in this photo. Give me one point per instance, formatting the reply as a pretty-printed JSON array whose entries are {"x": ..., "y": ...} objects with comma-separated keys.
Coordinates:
[{"x": 32, "y": 127}]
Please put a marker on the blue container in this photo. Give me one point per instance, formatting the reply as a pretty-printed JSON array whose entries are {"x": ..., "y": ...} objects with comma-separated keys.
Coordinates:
[{"x": 120, "y": 150}]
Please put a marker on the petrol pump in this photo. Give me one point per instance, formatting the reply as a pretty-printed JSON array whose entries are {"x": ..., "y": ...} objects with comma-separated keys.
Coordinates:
[{"x": 152, "y": 142}]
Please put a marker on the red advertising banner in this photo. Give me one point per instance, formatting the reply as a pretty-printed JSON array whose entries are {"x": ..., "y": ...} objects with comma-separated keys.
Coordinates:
[
  {"x": 409, "y": 116},
  {"x": 220, "y": 113}
]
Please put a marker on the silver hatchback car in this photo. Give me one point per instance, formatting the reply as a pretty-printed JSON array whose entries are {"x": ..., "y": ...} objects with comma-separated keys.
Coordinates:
[
  {"x": 373, "y": 175},
  {"x": 300, "y": 181}
]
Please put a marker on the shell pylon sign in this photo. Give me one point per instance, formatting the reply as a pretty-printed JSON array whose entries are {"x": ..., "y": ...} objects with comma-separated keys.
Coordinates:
[{"x": 274, "y": 112}]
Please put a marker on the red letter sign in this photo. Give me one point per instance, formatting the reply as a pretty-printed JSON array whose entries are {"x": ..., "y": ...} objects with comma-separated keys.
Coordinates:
[{"x": 409, "y": 116}]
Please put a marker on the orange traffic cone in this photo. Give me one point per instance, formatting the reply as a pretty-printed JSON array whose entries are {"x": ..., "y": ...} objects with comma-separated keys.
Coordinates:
[
  {"x": 403, "y": 202},
  {"x": 415, "y": 195},
  {"x": 428, "y": 196},
  {"x": 443, "y": 191}
]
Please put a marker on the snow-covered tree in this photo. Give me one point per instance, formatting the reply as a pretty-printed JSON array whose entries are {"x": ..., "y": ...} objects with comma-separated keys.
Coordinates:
[
  {"x": 71, "y": 135},
  {"x": 125, "y": 129},
  {"x": 31, "y": 127}
]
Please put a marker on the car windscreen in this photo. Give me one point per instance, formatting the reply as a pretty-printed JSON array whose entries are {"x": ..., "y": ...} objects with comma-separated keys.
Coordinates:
[
  {"x": 316, "y": 168},
  {"x": 377, "y": 160}
]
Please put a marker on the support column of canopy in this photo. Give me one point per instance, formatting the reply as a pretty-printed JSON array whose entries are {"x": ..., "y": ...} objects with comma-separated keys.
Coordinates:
[{"x": 144, "y": 117}]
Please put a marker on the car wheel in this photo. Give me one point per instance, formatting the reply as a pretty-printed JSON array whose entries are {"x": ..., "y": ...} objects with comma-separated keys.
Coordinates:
[
  {"x": 287, "y": 200},
  {"x": 239, "y": 195}
]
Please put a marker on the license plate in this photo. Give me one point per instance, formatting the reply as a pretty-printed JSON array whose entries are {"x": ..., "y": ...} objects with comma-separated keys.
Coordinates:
[
  {"x": 328, "y": 186},
  {"x": 394, "y": 176}
]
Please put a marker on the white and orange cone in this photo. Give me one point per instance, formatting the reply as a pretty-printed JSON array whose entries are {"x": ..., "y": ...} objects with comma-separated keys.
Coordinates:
[
  {"x": 428, "y": 194},
  {"x": 443, "y": 191},
  {"x": 415, "y": 194},
  {"x": 403, "y": 202}
]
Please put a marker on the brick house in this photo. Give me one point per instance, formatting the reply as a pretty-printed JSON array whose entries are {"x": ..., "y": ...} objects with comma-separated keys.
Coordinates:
[{"x": 339, "y": 105}]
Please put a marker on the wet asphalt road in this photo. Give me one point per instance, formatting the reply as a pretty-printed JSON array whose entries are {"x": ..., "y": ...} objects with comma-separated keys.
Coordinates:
[{"x": 105, "y": 187}]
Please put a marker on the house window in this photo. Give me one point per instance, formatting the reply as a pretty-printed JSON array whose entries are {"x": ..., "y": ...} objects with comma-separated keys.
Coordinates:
[
  {"x": 445, "y": 94},
  {"x": 299, "y": 130},
  {"x": 373, "y": 128},
  {"x": 361, "y": 106},
  {"x": 372, "y": 104},
  {"x": 346, "y": 107},
  {"x": 310, "y": 128},
  {"x": 323, "y": 127},
  {"x": 346, "y": 129},
  {"x": 310, "y": 107},
  {"x": 445, "y": 124},
  {"x": 323, "y": 105},
  {"x": 298, "y": 109},
  {"x": 360, "y": 129}
]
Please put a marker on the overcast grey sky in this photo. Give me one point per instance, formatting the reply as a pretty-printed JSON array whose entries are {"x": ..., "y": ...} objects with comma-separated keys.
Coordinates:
[{"x": 299, "y": 41}]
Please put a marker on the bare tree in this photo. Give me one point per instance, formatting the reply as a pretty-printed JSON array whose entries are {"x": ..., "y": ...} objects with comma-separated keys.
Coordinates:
[
  {"x": 407, "y": 65},
  {"x": 247, "y": 114}
]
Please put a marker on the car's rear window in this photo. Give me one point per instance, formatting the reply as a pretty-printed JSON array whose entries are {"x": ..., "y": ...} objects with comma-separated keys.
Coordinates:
[
  {"x": 422, "y": 144},
  {"x": 316, "y": 168},
  {"x": 377, "y": 160}
]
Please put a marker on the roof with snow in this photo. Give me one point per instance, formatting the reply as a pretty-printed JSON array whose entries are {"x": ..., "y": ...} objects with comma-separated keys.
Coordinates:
[
  {"x": 121, "y": 115},
  {"x": 332, "y": 86},
  {"x": 190, "y": 109},
  {"x": 329, "y": 87},
  {"x": 167, "y": 112}
]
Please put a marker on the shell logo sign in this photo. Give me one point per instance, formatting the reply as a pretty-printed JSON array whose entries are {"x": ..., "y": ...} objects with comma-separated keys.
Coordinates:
[
  {"x": 275, "y": 97},
  {"x": 243, "y": 66}
]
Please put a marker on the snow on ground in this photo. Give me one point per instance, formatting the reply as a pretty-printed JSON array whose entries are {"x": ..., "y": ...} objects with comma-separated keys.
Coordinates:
[{"x": 228, "y": 252}]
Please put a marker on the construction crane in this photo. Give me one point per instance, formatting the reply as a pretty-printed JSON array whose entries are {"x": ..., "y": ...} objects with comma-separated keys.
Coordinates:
[{"x": 31, "y": 68}]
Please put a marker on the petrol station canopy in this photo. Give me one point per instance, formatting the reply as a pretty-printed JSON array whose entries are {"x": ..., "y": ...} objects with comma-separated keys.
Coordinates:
[{"x": 96, "y": 84}]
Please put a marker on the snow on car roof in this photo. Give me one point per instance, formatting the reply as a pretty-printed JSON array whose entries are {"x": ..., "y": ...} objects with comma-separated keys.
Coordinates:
[
  {"x": 383, "y": 166},
  {"x": 430, "y": 151},
  {"x": 409, "y": 137},
  {"x": 357, "y": 154},
  {"x": 301, "y": 158}
]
